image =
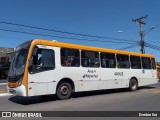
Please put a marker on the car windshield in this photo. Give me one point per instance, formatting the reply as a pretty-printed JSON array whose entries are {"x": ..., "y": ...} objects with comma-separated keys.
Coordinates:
[{"x": 19, "y": 59}]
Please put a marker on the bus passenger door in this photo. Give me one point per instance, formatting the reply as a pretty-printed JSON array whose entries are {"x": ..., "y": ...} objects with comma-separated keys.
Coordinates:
[{"x": 41, "y": 70}]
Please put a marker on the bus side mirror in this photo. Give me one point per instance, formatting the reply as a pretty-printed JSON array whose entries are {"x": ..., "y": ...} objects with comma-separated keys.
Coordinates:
[{"x": 35, "y": 51}]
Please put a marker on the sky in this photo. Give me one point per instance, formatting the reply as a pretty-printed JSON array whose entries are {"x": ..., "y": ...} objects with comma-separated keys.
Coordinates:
[{"x": 102, "y": 18}]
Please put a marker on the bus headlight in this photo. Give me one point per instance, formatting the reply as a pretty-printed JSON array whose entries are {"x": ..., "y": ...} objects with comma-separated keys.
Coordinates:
[{"x": 20, "y": 82}]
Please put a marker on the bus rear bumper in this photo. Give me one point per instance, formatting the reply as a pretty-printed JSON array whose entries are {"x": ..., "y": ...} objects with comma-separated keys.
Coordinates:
[{"x": 21, "y": 91}]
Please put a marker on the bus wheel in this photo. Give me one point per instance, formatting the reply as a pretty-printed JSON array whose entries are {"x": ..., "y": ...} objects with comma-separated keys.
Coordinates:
[
  {"x": 64, "y": 91},
  {"x": 133, "y": 85}
]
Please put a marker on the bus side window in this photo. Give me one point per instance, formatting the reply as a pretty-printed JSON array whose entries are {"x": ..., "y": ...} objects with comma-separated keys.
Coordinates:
[
  {"x": 123, "y": 61},
  {"x": 108, "y": 60},
  {"x": 42, "y": 61},
  {"x": 70, "y": 57},
  {"x": 90, "y": 59},
  {"x": 146, "y": 63},
  {"x": 135, "y": 62},
  {"x": 47, "y": 58}
]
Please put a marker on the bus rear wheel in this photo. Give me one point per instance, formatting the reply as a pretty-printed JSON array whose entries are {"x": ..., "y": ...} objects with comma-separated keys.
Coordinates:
[
  {"x": 133, "y": 85},
  {"x": 64, "y": 91}
]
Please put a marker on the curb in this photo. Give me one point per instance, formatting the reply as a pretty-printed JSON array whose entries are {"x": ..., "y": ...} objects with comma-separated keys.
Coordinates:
[
  {"x": 5, "y": 94},
  {"x": 3, "y": 83}
]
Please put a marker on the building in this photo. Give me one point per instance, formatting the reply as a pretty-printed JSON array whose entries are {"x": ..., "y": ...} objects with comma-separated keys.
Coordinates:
[{"x": 5, "y": 59}]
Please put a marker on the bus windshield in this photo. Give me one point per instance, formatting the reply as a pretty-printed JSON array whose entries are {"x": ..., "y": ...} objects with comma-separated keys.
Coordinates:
[{"x": 19, "y": 60}]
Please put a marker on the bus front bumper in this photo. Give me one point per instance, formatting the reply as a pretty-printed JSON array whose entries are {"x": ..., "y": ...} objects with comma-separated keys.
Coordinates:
[{"x": 21, "y": 91}]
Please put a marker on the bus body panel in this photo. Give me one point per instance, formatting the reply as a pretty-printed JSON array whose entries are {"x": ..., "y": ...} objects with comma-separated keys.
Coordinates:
[
  {"x": 144, "y": 77},
  {"x": 21, "y": 90},
  {"x": 46, "y": 82},
  {"x": 122, "y": 77},
  {"x": 42, "y": 83},
  {"x": 107, "y": 76},
  {"x": 148, "y": 77},
  {"x": 115, "y": 78},
  {"x": 90, "y": 79}
]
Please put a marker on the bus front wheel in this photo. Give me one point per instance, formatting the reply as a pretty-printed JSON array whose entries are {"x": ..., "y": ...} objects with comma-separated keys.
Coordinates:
[
  {"x": 133, "y": 85},
  {"x": 64, "y": 91}
]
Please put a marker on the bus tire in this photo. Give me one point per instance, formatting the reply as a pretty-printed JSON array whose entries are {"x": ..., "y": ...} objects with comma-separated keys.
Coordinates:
[
  {"x": 64, "y": 91},
  {"x": 133, "y": 85}
]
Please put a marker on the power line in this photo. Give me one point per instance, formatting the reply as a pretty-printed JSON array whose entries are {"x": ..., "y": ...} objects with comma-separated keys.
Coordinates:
[
  {"x": 152, "y": 46},
  {"x": 59, "y": 31},
  {"x": 114, "y": 40},
  {"x": 31, "y": 33},
  {"x": 134, "y": 45}
]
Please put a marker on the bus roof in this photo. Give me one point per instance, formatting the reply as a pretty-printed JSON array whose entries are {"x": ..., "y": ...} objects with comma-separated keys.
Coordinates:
[{"x": 83, "y": 47}]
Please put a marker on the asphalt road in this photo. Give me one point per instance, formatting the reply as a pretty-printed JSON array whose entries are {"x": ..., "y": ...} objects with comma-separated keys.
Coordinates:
[{"x": 144, "y": 99}]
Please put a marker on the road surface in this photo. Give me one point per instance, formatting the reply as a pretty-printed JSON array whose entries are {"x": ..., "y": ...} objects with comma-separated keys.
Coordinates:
[{"x": 144, "y": 99}]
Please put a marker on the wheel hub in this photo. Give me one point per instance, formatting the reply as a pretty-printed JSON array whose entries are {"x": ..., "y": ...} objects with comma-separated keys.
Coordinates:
[
  {"x": 133, "y": 85},
  {"x": 64, "y": 90}
]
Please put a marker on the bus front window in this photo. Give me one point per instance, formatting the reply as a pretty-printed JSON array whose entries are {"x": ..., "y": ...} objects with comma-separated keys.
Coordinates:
[{"x": 18, "y": 63}]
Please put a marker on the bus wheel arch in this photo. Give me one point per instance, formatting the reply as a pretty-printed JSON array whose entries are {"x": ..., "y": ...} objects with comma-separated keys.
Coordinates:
[
  {"x": 65, "y": 88},
  {"x": 133, "y": 84}
]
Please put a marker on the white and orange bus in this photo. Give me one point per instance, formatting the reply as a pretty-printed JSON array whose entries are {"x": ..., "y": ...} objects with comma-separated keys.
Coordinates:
[{"x": 42, "y": 67}]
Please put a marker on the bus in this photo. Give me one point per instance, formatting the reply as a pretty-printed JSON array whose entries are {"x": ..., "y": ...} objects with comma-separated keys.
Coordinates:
[{"x": 42, "y": 67}]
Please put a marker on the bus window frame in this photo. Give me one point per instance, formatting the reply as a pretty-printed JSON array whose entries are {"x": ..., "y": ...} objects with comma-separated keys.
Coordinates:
[{"x": 153, "y": 67}]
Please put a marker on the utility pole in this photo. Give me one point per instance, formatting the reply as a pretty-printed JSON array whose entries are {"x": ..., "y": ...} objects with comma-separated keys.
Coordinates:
[{"x": 141, "y": 23}]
